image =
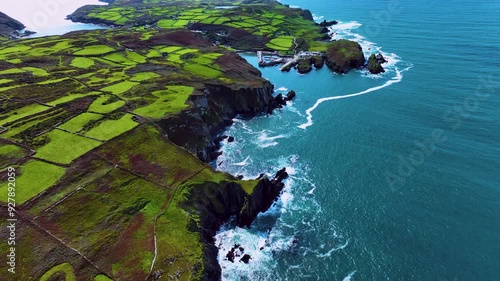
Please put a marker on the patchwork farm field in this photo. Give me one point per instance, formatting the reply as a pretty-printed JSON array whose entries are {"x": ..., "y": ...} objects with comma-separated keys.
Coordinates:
[
  {"x": 77, "y": 122},
  {"x": 246, "y": 27}
]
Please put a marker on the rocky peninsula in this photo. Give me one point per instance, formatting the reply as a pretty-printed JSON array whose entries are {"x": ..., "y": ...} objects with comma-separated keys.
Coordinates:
[
  {"x": 10, "y": 27},
  {"x": 120, "y": 124}
]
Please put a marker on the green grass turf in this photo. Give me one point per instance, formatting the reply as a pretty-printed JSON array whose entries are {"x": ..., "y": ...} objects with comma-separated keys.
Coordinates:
[
  {"x": 77, "y": 123},
  {"x": 65, "y": 147},
  {"x": 112, "y": 128},
  {"x": 8, "y": 153},
  {"x": 120, "y": 88},
  {"x": 64, "y": 267},
  {"x": 282, "y": 42},
  {"x": 168, "y": 101},
  {"x": 143, "y": 76},
  {"x": 94, "y": 50},
  {"x": 202, "y": 70},
  {"x": 166, "y": 23},
  {"x": 69, "y": 98},
  {"x": 82, "y": 62},
  {"x": 119, "y": 58},
  {"x": 102, "y": 104},
  {"x": 170, "y": 49},
  {"x": 248, "y": 185},
  {"x": 135, "y": 57},
  {"x": 21, "y": 113},
  {"x": 175, "y": 58},
  {"x": 12, "y": 71},
  {"x": 31, "y": 179},
  {"x": 36, "y": 71},
  {"x": 186, "y": 51},
  {"x": 5, "y": 81},
  {"x": 101, "y": 277}
]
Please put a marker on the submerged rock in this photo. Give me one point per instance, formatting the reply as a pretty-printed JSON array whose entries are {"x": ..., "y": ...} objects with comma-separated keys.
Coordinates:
[
  {"x": 246, "y": 258},
  {"x": 326, "y": 23},
  {"x": 290, "y": 96},
  {"x": 230, "y": 255}
]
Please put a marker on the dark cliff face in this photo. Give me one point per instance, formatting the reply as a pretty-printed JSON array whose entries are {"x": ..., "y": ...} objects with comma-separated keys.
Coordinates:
[
  {"x": 197, "y": 129},
  {"x": 213, "y": 110},
  {"x": 344, "y": 55},
  {"x": 263, "y": 196},
  {"x": 216, "y": 203},
  {"x": 9, "y": 25}
]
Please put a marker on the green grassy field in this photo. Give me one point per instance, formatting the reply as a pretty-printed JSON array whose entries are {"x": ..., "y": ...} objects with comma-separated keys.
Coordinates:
[
  {"x": 106, "y": 104},
  {"x": 66, "y": 268},
  {"x": 94, "y": 50},
  {"x": 77, "y": 123},
  {"x": 171, "y": 100},
  {"x": 112, "y": 128},
  {"x": 32, "y": 178},
  {"x": 120, "y": 88},
  {"x": 9, "y": 153},
  {"x": 63, "y": 147}
]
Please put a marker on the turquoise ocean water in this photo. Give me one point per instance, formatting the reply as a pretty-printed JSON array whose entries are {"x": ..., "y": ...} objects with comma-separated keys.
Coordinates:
[{"x": 399, "y": 178}]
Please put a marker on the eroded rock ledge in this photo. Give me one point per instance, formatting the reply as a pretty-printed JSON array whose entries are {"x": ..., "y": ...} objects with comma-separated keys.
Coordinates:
[{"x": 216, "y": 203}]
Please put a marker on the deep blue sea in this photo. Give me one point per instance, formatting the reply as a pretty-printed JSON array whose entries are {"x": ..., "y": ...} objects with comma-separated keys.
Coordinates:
[{"x": 392, "y": 177}]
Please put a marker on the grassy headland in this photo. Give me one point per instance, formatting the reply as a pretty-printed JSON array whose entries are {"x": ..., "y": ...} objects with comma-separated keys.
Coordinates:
[{"x": 106, "y": 130}]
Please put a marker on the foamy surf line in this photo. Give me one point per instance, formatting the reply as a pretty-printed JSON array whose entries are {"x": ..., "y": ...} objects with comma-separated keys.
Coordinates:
[
  {"x": 395, "y": 79},
  {"x": 344, "y": 30}
]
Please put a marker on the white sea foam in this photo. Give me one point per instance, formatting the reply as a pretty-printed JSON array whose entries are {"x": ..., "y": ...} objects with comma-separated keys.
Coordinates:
[
  {"x": 396, "y": 79},
  {"x": 263, "y": 241},
  {"x": 266, "y": 141},
  {"x": 317, "y": 18},
  {"x": 334, "y": 249},
  {"x": 242, "y": 163},
  {"x": 348, "y": 277},
  {"x": 310, "y": 192},
  {"x": 282, "y": 89},
  {"x": 344, "y": 30}
]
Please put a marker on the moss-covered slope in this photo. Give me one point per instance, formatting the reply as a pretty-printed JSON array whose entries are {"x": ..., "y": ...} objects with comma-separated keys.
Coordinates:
[
  {"x": 103, "y": 192},
  {"x": 344, "y": 55}
]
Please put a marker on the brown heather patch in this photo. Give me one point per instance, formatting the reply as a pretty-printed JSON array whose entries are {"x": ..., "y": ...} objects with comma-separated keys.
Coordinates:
[
  {"x": 141, "y": 166},
  {"x": 178, "y": 38}
]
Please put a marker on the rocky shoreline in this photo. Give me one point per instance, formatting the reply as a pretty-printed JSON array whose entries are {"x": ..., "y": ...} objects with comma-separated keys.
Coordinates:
[
  {"x": 212, "y": 112},
  {"x": 218, "y": 203},
  {"x": 11, "y": 28},
  {"x": 341, "y": 57}
]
